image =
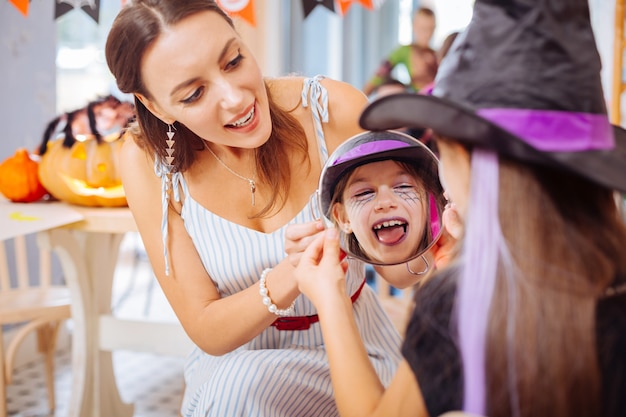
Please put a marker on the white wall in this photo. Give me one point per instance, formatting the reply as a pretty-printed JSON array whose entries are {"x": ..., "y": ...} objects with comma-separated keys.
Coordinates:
[
  {"x": 27, "y": 81},
  {"x": 27, "y": 74}
]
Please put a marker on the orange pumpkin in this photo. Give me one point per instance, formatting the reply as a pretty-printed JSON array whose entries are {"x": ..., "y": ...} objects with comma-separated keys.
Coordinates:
[
  {"x": 19, "y": 181},
  {"x": 85, "y": 174}
]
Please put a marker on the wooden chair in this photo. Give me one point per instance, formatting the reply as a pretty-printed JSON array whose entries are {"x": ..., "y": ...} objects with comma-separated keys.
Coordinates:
[{"x": 40, "y": 307}]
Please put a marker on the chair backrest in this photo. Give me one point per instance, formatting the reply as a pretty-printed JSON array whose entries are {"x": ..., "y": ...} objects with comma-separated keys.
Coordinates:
[{"x": 17, "y": 261}]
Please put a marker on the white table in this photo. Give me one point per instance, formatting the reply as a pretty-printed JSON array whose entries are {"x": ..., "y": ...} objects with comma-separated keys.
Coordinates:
[{"x": 87, "y": 241}]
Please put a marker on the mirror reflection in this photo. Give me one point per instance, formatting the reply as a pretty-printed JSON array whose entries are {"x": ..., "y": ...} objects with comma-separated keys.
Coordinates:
[{"x": 382, "y": 192}]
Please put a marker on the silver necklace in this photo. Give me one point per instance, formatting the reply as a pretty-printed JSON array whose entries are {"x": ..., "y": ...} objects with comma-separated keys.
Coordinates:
[{"x": 250, "y": 180}]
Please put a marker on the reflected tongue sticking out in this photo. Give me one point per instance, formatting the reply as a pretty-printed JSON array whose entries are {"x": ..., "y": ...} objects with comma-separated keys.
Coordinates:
[{"x": 390, "y": 234}]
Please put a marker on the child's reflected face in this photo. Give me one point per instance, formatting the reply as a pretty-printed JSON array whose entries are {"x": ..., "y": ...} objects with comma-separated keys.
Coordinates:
[{"x": 384, "y": 205}]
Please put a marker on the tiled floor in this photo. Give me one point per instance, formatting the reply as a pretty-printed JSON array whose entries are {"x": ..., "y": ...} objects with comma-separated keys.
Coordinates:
[{"x": 152, "y": 382}]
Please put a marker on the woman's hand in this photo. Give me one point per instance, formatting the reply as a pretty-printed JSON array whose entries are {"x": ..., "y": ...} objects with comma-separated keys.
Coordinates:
[
  {"x": 298, "y": 237},
  {"x": 321, "y": 271}
]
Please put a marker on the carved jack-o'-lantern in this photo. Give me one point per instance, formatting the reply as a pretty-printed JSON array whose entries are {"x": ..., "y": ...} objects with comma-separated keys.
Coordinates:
[
  {"x": 82, "y": 166},
  {"x": 86, "y": 174}
]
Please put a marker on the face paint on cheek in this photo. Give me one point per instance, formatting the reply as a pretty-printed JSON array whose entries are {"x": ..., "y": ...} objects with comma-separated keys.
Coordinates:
[
  {"x": 412, "y": 197},
  {"x": 357, "y": 204},
  {"x": 353, "y": 210}
]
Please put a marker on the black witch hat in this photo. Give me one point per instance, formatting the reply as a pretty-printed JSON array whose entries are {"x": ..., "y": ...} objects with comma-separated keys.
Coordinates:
[{"x": 523, "y": 79}]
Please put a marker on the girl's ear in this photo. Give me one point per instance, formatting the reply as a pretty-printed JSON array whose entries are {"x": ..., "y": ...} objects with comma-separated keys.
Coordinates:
[
  {"x": 154, "y": 109},
  {"x": 340, "y": 217}
]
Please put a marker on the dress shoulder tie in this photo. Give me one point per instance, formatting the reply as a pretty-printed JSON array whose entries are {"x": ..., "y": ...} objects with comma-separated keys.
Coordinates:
[
  {"x": 169, "y": 181},
  {"x": 316, "y": 95}
]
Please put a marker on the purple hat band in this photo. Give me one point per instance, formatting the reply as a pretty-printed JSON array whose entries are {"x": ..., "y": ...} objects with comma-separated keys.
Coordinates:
[
  {"x": 554, "y": 131},
  {"x": 369, "y": 148}
]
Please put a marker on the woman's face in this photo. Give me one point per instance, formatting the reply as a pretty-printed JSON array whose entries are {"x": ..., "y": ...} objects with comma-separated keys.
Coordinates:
[
  {"x": 200, "y": 73},
  {"x": 385, "y": 207}
]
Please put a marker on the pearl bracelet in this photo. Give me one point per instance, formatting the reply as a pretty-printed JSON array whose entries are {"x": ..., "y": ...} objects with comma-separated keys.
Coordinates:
[{"x": 268, "y": 301}]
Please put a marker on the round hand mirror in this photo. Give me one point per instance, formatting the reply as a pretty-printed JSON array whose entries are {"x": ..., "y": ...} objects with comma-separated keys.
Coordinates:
[{"x": 382, "y": 191}]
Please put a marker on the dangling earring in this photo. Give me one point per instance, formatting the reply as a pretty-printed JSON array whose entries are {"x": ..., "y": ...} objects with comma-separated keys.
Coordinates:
[{"x": 169, "y": 159}]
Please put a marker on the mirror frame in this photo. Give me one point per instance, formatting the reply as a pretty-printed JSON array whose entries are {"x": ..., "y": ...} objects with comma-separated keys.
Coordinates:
[{"x": 339, "y": 163}]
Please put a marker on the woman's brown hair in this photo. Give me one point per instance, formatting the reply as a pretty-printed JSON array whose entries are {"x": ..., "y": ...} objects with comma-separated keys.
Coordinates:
[
  {"x": 135, "y": 28},
  {"x": 566, "y": 238}
]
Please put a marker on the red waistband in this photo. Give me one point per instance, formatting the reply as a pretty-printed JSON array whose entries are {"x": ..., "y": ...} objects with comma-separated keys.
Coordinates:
[{"x": 304, "y": 322}]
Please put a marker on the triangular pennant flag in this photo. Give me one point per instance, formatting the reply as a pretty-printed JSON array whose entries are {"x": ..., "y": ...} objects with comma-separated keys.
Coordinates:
[
  {"x": 91, "y": 7},
  {"x": 93, "y": 11},
  {"x": 344, "y": 5},
  {"x": 368, "y": 4},
  {"x": 240, "y": 8},
  {"x": 21, "y": 5},
  {"x": 309, "y": 5}
]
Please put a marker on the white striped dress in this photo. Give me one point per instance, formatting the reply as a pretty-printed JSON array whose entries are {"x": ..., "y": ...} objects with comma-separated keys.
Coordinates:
[{"x": 280, "y": 373}]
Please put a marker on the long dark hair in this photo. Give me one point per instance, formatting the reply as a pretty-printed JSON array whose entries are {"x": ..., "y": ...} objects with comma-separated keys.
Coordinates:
[
  {"x": 135, "y": 28},
  {"x": 566, "y": 238}
]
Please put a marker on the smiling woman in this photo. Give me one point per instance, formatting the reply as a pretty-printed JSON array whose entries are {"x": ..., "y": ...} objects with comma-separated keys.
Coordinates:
[{"x": 236, "y": 157}]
